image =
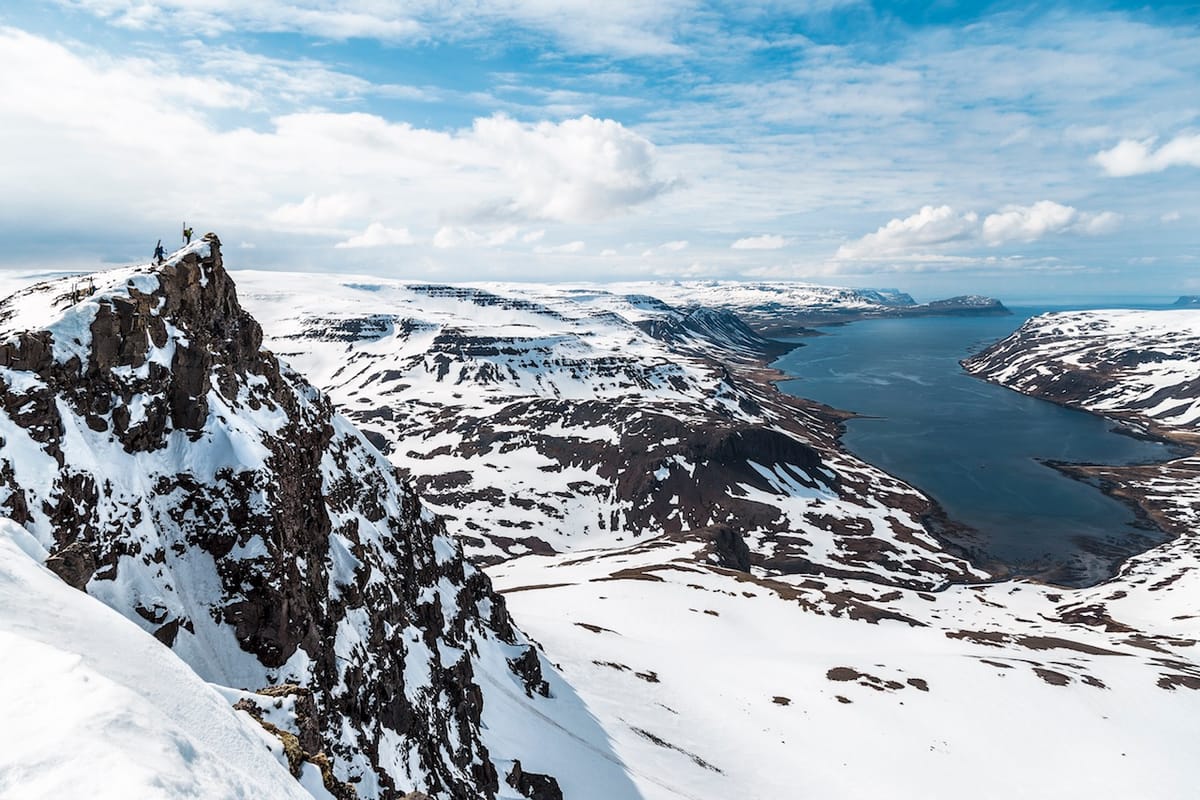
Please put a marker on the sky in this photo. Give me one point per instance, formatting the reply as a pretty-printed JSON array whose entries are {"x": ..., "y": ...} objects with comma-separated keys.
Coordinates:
[{"x": 1026, "y": 151}]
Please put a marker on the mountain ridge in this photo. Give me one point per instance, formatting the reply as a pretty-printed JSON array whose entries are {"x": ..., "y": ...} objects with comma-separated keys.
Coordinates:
[{"x": 185, "y": 477}]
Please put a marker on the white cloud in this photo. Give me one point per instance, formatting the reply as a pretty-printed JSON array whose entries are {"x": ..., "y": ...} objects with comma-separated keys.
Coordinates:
[
  {"x": 929, "y": 226},
  {"x": 935, "y": 228},
  {"x": 1171, "y": 216},
  {"x": 666, "y": 247},
  {"x": 452, "y": 236},
  {"x": 575, "y": 170},
  {"x": 1027, "y": 223},
  {"x": 316, "y": 211},
  {"x": 1134, "y": 157},
  {"x": 137, "y": 141},
  {"x": 580, "y": 25},
  {"x": 533, "y": 236},
  {"x": 767, "y": 241},
  {"x": 1043, "y": 218},
  {"x": 1096, "y": 224},
  {"x": 378, "y": 235},
  {"x": 569, "y": 247}
]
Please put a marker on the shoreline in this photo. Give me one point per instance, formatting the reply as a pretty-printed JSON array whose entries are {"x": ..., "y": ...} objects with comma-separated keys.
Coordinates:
[{"x": 963, "y": 541}]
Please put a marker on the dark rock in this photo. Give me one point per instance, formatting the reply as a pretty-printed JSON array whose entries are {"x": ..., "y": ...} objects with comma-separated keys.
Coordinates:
[
  {"x": 74, "y": 563},
  {"x": 532, "y": 784},
  {"x": 309, "y": 539},
  {"x": 528, "y": 667},
  {"x": 730, "y": 548}
]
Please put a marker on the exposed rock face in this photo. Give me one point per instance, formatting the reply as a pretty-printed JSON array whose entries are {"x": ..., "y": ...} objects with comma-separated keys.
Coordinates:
[
  {"x": 533, "y": 785},
  {"x": 190, "y": 480}
]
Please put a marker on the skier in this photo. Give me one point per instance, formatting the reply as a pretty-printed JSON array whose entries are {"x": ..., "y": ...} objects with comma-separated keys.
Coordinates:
[
  {"x": 187, "y": 234},
  {"x": 160, "y": 255}
]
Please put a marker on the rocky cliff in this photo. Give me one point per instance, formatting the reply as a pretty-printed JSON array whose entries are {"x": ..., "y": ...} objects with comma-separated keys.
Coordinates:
[{"x": 183, "y": 475}]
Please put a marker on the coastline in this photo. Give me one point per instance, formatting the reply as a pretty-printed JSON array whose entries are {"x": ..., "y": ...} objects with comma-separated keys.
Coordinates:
[{"x": 1118, "y": 482}]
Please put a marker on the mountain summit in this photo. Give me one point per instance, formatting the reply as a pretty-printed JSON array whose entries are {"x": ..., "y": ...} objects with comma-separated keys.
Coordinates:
[{"x": 188, "y": 479}]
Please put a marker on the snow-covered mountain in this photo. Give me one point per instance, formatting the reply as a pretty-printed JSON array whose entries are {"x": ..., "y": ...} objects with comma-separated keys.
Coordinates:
[
  {"x": 182, "y": 475},
  {"x": 784, "y": 626},
  {"x": 1143, "y": 369},
  {"x": 784, "y": 308},
  {"x": 1143, "y": 365},
  {"x": 539, "y": 419}
]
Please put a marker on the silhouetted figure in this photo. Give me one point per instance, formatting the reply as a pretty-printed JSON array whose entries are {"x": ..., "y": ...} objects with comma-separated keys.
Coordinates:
[
  {"x": 187, "y": 234},
  {"x": 160, "y": 255}
]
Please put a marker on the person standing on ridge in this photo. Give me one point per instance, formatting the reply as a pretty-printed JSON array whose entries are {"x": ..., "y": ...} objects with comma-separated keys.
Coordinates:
[
  {"x": 160, "y": 254},
  {"x": 187, "y": 234}
]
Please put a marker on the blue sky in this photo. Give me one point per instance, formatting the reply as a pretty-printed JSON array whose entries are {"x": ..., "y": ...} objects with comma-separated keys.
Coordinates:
[{"x": 1048, "y": 151}]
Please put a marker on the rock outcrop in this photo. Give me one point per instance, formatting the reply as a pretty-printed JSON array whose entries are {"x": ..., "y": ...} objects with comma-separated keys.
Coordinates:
[{"x": 190, "y": 480}]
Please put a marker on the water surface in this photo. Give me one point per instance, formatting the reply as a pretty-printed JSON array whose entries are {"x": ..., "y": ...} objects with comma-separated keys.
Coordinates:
[{"x": 976, "y": 448}]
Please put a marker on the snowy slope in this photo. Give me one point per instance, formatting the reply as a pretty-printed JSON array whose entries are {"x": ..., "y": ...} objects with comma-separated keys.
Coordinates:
[
  {"x": 714, "y": 684},
  {"x": 186, "y": 478},
  {"x": 1142, "y": 363},
  {"x": 91, "y": 700}
]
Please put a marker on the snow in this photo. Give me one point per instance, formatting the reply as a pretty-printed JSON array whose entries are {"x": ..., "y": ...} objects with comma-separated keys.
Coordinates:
[
  {"x": 721, "y": 648},
  {"x": 90, "y": 700}
]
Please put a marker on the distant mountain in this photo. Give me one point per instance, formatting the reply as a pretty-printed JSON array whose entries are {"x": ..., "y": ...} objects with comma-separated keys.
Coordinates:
[
  {"x": 786, "y": 308},
  {"x": 552, "y": 419},
  {"x": 1188, "y": 301}
]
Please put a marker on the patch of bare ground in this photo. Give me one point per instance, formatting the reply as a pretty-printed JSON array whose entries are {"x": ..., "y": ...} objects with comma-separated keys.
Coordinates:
[
  {"x": 1172, "y": 681},
  {"x": 1051, "y": 676},
  {"x": 849, "y": 674},
  {"x": 1000, "y": 639}
]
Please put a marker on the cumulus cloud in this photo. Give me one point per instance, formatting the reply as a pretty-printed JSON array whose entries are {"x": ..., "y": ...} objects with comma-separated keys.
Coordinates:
[
  {"x": 935, "y": 228},
  {"x": 378, "y": 235},
  {"x": 316, "y": 211},
  {"x": 929, "y": 226},
  {"x": 576, "y": 170},
  {"x": 135, "y": 140},
  {"x": 1026, "y": 223},
  {"x": 1043, "y": 218},
  {"x": 767, "y": 241},
  {"x": 1134, "y": 157}
]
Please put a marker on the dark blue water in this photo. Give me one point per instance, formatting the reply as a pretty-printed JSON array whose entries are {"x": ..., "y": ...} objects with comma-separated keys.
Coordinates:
[{"x": 975, "y": 447}]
